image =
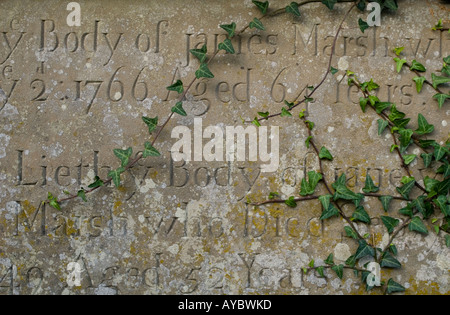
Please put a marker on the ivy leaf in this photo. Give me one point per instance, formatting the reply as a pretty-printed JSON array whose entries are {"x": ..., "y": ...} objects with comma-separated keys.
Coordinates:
[
  {"x": 149, "y": 150},
  {"x": 200, "y": 54},
  {"x": 263, "y": 114},
  {"x": 391, "y": 4},
  {"x": 229, "y": 28},
  {"x": 441, "y": 98},
  {"x": 363, "y": 25},
  {"x": 385, "y": 202},
  {"x": 329, "y": 260},
  {"x": 380, "y": 106},
  {"x": 405, "y": 137},
  {"x": 333, "y": 70},
  {"x": 400, "y": 63},
  {"x": 97, "y": 183},
  {"x": 53, "y": 201},
  {"x": 256, "y": 122},
  {"x": 398, "y": 50},
  {"x": 293, "y": 8},
  {"x": 330, "y": 212},
  {"x": 390, "y": 223},
  {"x": 307, "y": 141},
  {"x": 382, "y": 124},
  {"x": 227, "y": 46},
  {"x": 350, "y": 232},
  {"x": 393, "y": 286},
  {"x": 370, "y": 186},
  {"x": 325, "y": 201},
  {"x": 285, "y": 113},
  {"x": 339, "y": 269},
  {"x": 152, "y": 123},
  {"x": 438, "y": 80},
  {"x": 363, "y": 103},
  {"x": 419, "y": 83},
  {"x": 256, "y": 23},
  {"x": 82, "y": 194},
  {"x": 438, "y": 26},
  {"x": 177, "y": 87},
  {"x": 361, "y": 215},
  {"x": 395, "y": 114},
  {"x": 325, "y": 154},
  {"x": 439, "y": 151},
  {"x": 406, "y": 189},
  {"x": 262, "y": 6},
  {"x": 390, "y": 261},
  {"x": 308, "y": 187},
  {"x": 320, "y": 270},
  {"x": 115, "y": 176},
  {"x": 409, "y": 158},
  {"x": 418, "y": 226},
  {"x": 291, "y": 202},
  {"x": 342, "y": 192},
  {"x": 123, "y": 155},
  {"x": 364, "y": 250},
  {"x": 329, "y": 3},
  {"x": 417, "y": 66},
  {"x": 427, "y": 158},
  {"x": 203, "y": 72},
  {"x": 273, "y": 195},
  {"x": 444, "y": 169},
  {"x": 407, "y": 210},
  {"x": 430, "y": 183},
  {"x": 178, "y": 109},
  {"x": 447, "y": 240},
  {"x": 424, "y": 126}
]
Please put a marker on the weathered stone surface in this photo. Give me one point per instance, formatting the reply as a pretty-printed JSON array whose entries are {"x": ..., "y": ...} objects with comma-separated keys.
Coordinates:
[{"x": 70, "y": 95}]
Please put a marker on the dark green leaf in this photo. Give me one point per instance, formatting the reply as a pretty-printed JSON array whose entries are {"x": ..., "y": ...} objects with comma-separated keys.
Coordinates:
[
  {"x": 441, "y": 98},
  {"x": 381, "y": 106},
  {"x": 308, "y": 187},
  {"x": 256, "y": 122},
  {"x": 395, "y": 114},
  {"x": 273, "y": 195},
  {"x": 382, "y": 124},
  {"x": 350, "y": 232},
  {"x": 330, "y": 212},
  {"x": 364, "y": 250},
  {"x": 391, "y": 4},
  {"x": 329, "y": 3},
  {"x": 263, "y": 114},
  {"x": 325, "y": 154},
  {"x": 149, "y": 151},
  {"x": 405, "y": 137},
  {"x": 363, "y": 103},
  {"x": 339, "y": 269},
  {"x": 227, "y": 46},
  {"x": 430, "y": 183},
  {"x": 334, "y": 70},
  {"x": 406, "y": 189},
  {"x": 439, "y": 152},
  {"x": 293, "y": 8},
  {"x": 285, "y": 113},
  {"x": 177, "y": 87},
  {"x": 427, "y": 158},
  {"x": 342, "y": 192},
  {"x": 262, "y": 6},
  {"x": 363, "y": 25},
  {"x": 385, "y": 201},
  {"x": 203, "y": 72},
  {"x": 409, "y": 158},
  {"x": 229, "y": 28},
  {"x": 152, "y": 123},
  {"x": 389, "y": 261},
  {"x": 123, "y": 155},
  {"x": 256, "y": 23},
  {"x": 320, "y": 271},
  {"x": 393, "y": 286},
  {"x": 447, "y": 240},
  {"x": 329, "y": 260},
  {"x": 419, "y": 83},
  {"x": 178, "y": 109},
  {"x": 53, "y": 202},
  {"x": 307, "y": 141},
  {"x": 424, "y": 126},
  {"x": 82, "y": 194},
  {"x": 97, "y": 183},
  {"x": 390, "y": 223},
  {"x": 291, "y": 202},
  {"x": 370, "y": 186},
  {"x": 289, "y": 104},
  {"x": 351, "y": 261},
  {"x": 325, "y": 201},
  {"x": 200, "y": 54},
  {"x": 115, "y": 176},
  {"x": 361, "y": 215},
  {"x": 438, "y": 80},
  {"x": 417, "y": 66},
  {"x": 444, "y": 169},
  {"x": 408, "y": 211},
  {"x": 418, "y": 226},
  {"x": 393, "y": 249}
]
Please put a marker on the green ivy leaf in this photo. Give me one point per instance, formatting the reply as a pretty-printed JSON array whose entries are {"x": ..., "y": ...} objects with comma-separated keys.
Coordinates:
[
  {"x": 400, "y": 63},
  {"x": 406, "y": 189},
  {"x": 149, "y": 151},
  {"x": 82, "y": 194},
  {"x": 363, "y": 25},
  {"x": 262, "y": 6},
  {"x": 263, "y": 114},
  {"x": 230, "y": 29},
  {"x": 115, "y": 176},
  {"x": 285, "y": 113},
  {"x": 370, "y": 186},
  {"x": 308, "y": 187},
  {"x": 333, "y": 70},
  {"x": 320, "y": 270},
  {"x": 398, "y": 50},
  {"x": 293, "y": 8},
  {"x": 329, "y": 260},
  {"x": 430, "y": 183},
  {"x": 389, "y": 261},
  {"x": 350, "y": 232},
  {"x": 325, "y": 154},
  {"x": 97, "y": 183},
  {"x": 329, "y": 3},
  {"x": 407, "y": 210},
  {"x": 342, "y": 192},
  {"x": 393, "y": 286},
  {"x": 419, "y": 83},
  {"x": 424, "y": 126},
  {"x": 405, "y": 137},
  {"x": 438, "y": 80},
  {"x": 438, "y": 26},
  {"x": 447, "y": 240},
  {"x": 289, "y": 104},
  {"x": 391, "y": 5},
  {"x": 427, "y": 159},
  {"x": 385, "y": 202},
  {"x": 177, "y": 87},
  {"x": 227, "y": 46},
  {"x": 273, "y": 195},
  {"x": 409, "y": 158},
  {"x": 363, "y": 103},
  {"x": 307, "y": 141},
  {"x": 123, "y": 155},
  {"x": 382, "y": 124},
  {"x": 439, "y": 151},
  {"x": 256, "y": 23},
  {"x": 200, "y": 54},
  {"x": 330, "y": 212},
  {"x": 444, "y": 169},
  {"x": 364, "y": 250},
  {"x": 441, "y": 98},
  {"x": 152, "y": 123},
  {"x": 339, "y": 269},
  {"x": 256, "y": 122},
  {"x": 417, "y": 66},
  {"x": 291, "y": 202},
  {"x": 361, "y": 215},
  {"x": 203, "y": 72},
  {"x": 390, "y": 223},
  {"x": 178, "y": 109},
  {"x": 380, "y": 106},
  {"x": 418, "y": 226},
  {"x": 395, "y": 114},
  {"x": 53, "y": 201},
  {"x": 325, "y": 201}
]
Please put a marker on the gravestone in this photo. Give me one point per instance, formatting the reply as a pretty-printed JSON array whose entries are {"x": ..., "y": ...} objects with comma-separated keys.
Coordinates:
[{"x": 70, "y": 95}]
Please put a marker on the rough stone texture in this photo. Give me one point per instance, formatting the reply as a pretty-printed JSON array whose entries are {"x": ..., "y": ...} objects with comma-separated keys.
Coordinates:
[{"x": 70, "y": 95}]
